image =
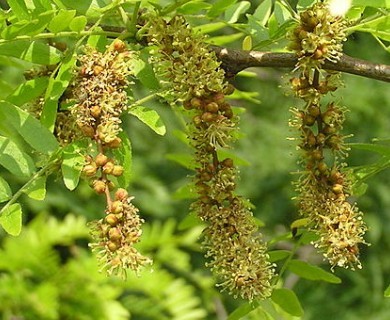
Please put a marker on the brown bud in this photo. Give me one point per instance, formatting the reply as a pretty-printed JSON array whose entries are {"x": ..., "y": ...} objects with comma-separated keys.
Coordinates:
[
  {"x": 229, "y": 89},
  {"x": 207, "y": 117},
  {"x": 114, "y": 234},
  {"x": 337, "y": 188},
  {"x": 187, "y": 105},
  {"x": 112, "y": 219},
  {"x": 88, "y": 130},
  {"x": 99, "y": 186},
  {"x": 101, "y": 159},
  {"x": 97, "y": 70},
  {"x": 219, "y": 98},
  {"x": 309, "y": 120},
  {"x": 95, "y": 111},
  {"x": 121, "y": 194},
  {"x": 314, "y": 110},
  {"x": 320, "y": 139},
  {"x": 117, "y": 171},
  {"x": 197, "y": 121},
  {"x": 116, "y": 207},
  {"x": 118, "y": 45},
  {"x": 115, "y": 143},
  {"x": 112, "y": 246},
  {"x": 108, "y": 167},
  {"x": 90, "y": 169},
  {"x": 317, "y": 155},
  {"x": 228, "y": 113},
  {"x": 228, "y": 162},
  {"x": 212, "y": 107},
  {"x": 196, "y": 103}
]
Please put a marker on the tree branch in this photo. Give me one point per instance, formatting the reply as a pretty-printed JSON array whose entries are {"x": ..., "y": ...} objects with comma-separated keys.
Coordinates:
[{"x": 234, "y": 61}]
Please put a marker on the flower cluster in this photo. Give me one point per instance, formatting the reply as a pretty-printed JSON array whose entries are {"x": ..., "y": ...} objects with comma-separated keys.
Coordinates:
[
  {"x": 318, "y": 37},
  {"x": 99, "y": 92},
  {"x": 324, "y": 188},
  {"x": 233, "y": 244}
]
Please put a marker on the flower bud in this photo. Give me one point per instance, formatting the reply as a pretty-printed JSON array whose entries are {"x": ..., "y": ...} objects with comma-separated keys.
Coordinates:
[
  {"x": 114, "y": 234},
  {"x": 112, "y": 246},
  {"x": 112, "y": 219},
  {"x": 95, "y": 111},
  {"x": 121, "y": 194},
  {"x": 90, "y": 169},
  {"x": 115, "y": 143},
  {"x": 117, "y": 171},
  {"x": 108, "y": 167},
  {"x": 99, "y": 186},
  {"x": 101, "y": 159},
  {"x": 116, "y": 207}
]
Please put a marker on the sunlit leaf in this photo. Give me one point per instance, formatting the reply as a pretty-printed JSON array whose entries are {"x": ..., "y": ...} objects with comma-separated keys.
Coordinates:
[
  {"x": 61, "y": 21},
  {"x": 387, "y": 292},
  {"x": 220, "y": 6},
  {"x": 19, "y": 8},
  {"x": 124, "y": 156},
  {"x": 150, "y": 117},
  {"x": 14, "y": 159},
  {"x": 288, "y": 301},
  {"x": 78, "y": 23},
  {"x": 5, "y": 190},
  {"x": 28, "y": 91},
  {"x": 32, "y": 51},
  {"x": 37, "y": 189},
  {"x": 242, "y": 310},
  {"x": 72, "y": 164},
  {"x": 277, "y": 255},
  {"x": 11, "y": 219},
  {"x": 31, "y": 130},
  {"x": 234, "y": 12},
  {"x": 372, "y": 3}
]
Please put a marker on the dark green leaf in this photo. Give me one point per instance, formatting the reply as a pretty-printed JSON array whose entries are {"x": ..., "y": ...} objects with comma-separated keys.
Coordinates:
[
  {"x": 14, "y": 159},
  {"x": 150, "y": 117},
  {"x": 72, "y": 164},
  {"x": 124, "y": 156},
  {"x": 32, "y": 51},
  {"x": 28, "y": 91},
  {"x": 242, "y": 311},
  {"x": 184, "y": 159},
  {"x": 219, "y": 7},
  {"x": 277, "y": 255},
  {"x": 377, "y": 148},
  {"x": 37, "y": 189},
  {"x": 5, "y": 190},
  {"x": 191, "y": 220},
  {"x": 310, "y": 272},
  {"x": 31, "y": 130},
  {"x": 288, "y": 301},
  {"x": 11, "y": 219},
  {"x": 78, "y": 23},
  {"x": 61, "y": 21}
]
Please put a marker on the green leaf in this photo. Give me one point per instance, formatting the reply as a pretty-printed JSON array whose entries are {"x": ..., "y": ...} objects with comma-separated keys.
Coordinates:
[
  {"x": 219, "y": 7},
  {"x": 277, "y": 255},
  {"x": 32, "y": 51},
  {"x": 193, "y": 7},
  {"x": 124, "y": 156},
  {"x": 209, "y": 27},
  {"x": 72, "y": 164},
  {"x": 5, "y": 190},
  {"x": 31, "y": 130},
  {"x": 144, "y": 72},
  {"x": 191, "y": 220},
  {"x": 372, "y": 3},
  {"x": 263, "y": 12},
  {"x": 379, "y": 27},
  {"x": 377, "y": 148},
  {"x": 184, "y": 159},
  {"x": 288, "y": 301},
  {"x": 61, "y": 21},
  {"x": 150, "y": 117},
  {"x": 310, "y": 272},
  {"x": 387, "y": 292},
  {"x": 233, "y": 13},
  {"x": 78, "y": 23},
  {"x": 14, "y": 159},
  {"x": 11, "y": 219},
  {"x": 223, "y": 40},
  {"x": 37, "y": 189},
  {"x": 242, "y": 310},
  {"x": 28, "y": 91},
  {"x": 19, "y": 8}
]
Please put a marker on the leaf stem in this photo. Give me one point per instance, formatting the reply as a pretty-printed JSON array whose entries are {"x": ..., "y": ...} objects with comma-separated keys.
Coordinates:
[{"x": 33, "y": 178}]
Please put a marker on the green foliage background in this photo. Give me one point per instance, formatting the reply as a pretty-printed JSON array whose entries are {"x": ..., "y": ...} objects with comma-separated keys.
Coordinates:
[{"x": 49, "y": 273}]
